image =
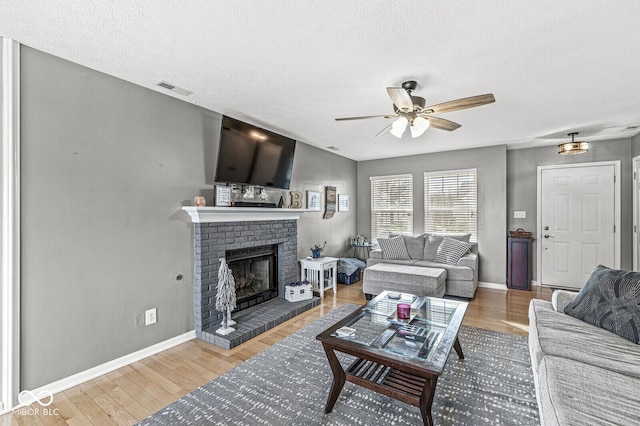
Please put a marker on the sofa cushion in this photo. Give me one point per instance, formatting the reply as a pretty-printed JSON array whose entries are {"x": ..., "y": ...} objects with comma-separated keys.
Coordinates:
[
  {"x": 611, "y": 300},
  {"x": 554, "y": 333},
  {"x": 432, "y": 242},
  {"x": 371, "y": 262},
  {"x": 451, "y": 250},
  {"x": 453, "y": 272},
  {"x": 393, "y": 248},
  {"x": 415, "y": 245},
  {"x": 573, "y": 393}
]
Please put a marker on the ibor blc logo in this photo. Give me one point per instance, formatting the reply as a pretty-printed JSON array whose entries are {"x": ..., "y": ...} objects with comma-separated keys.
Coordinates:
[{"x": 44, "y": 398}]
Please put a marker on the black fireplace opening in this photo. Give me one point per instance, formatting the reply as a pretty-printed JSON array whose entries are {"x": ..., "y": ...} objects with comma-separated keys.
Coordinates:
[{"x": 255, "y": 272}]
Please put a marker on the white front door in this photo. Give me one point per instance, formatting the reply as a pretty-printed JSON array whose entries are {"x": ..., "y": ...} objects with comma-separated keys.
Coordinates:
[{"x": 577, "y": 223}]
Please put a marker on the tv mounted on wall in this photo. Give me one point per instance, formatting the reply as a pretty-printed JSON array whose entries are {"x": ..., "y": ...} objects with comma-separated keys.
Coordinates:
[{"x": 254, "y": 156}]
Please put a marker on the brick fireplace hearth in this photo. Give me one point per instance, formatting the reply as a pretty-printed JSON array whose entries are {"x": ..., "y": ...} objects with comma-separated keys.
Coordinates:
[{"x": 218, "y": 230}]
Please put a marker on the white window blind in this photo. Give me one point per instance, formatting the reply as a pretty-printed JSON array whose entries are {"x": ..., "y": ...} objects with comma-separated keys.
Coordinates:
[
  {"x": 391, "y": 205},
  {"x": 451, "y": 202}
]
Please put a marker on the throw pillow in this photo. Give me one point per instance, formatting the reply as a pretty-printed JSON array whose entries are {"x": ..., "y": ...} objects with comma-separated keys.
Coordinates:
[
  {"x": 414, "y": 244},
  {"x": 610, "y": 299},
  {"x": 451, "y": 250},
  {"x": 393, "y": 248},
  {"x": 433, "y": 241}
]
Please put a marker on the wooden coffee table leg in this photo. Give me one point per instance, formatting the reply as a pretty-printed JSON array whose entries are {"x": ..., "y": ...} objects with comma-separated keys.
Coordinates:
[
  {"x": 426, "y": 400},
  {"x": 338, "y": 378},
  {"x": 458, "y": 348}
]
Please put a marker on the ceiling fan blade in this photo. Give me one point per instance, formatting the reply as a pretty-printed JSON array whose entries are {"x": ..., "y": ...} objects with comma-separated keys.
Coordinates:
[
  {"x": 441, "y": 123},
  {"x": 464, "y": 103},
  {"x": 365, "y": 117},
  {"x": 400, "y": 98},
  {"x": 385, "y": 130}
]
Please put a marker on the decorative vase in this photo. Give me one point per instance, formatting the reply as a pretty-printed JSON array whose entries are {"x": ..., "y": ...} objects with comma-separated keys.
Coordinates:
[
  {"x": 316, "y": 253},
  {"x": 199, "y": 201}
]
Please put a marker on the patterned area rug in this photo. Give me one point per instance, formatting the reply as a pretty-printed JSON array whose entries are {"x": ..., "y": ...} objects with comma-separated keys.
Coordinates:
[{"x": 288, "y": 384}]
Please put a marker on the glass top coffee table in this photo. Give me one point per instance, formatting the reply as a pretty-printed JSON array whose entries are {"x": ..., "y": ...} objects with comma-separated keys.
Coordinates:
[{"x": 398, "y": 357}]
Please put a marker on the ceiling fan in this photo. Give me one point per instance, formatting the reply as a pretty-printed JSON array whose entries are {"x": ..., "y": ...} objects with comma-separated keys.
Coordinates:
[{"x": 411, "y": 111}]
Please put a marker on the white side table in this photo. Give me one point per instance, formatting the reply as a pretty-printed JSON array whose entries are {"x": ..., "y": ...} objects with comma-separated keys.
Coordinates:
[{"x": 322, "y": 273}]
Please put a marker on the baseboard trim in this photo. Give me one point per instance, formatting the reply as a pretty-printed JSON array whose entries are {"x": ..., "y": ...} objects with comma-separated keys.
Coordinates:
[
  {"x": 107, "y": 367},
  {"x": 494, "y": 286}
]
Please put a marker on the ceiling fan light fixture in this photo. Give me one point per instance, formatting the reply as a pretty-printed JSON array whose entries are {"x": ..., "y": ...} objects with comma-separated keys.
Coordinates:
[
  {"x": 399, "y": 126},
  {"x": 410, "y": 109},
  {"x": 419, "y": 126},
  {"x": 573, "y": 147}
]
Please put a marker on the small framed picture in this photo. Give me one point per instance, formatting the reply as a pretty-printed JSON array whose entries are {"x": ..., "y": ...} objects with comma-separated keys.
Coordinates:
[
  {"x": 313, "y": 201},
  {"x": 343, "y": 202},
  {"x": 223, "y": 196}
]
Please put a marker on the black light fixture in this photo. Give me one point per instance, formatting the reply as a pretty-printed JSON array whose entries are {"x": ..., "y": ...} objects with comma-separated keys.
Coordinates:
[{"x": 573, "y": 147}]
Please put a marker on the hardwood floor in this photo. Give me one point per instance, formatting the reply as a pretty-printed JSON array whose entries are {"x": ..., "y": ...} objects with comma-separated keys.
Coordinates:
[{"x": 132, "y": 393}]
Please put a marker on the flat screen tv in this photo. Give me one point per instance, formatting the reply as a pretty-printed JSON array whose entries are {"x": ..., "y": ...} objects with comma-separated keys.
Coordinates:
[{"x": 254, "y": 156}]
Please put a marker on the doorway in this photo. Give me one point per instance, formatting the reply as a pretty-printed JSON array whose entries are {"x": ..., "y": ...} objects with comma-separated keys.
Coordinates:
[
  {"x": 578, "y": 222},
  {"x": 10, "y": 258}
]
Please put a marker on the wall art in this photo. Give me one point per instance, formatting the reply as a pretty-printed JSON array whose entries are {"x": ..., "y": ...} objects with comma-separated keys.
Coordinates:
[
  {"x": 329, "y": 202},
  {"x": 313, "y": 201},
  {"x": 343, "y": 202}
]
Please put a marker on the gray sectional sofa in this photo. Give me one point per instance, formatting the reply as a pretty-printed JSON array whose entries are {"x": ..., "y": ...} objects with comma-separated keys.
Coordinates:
[
  {"x": 584, "y": 375},
  {"x": 461, "y": 279}
]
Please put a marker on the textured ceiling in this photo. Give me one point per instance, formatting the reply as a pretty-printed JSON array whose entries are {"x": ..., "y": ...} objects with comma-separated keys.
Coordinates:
[{"x": 293, "y": 66}]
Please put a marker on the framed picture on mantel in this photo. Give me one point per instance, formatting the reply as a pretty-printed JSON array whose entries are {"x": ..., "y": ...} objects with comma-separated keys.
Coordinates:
[{"x": 223, "y": 196}]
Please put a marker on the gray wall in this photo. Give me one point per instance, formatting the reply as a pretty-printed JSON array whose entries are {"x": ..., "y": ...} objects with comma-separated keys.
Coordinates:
[
  {"x": 522, "y": 166},
  {"x": 106, "y": 166},
  {"x": 492, "y": 203},
  {"x": 314, "y": 169},
  {"x": 1, "y": 119},
  {"x": 1, "y": 93},
  {"x": 635, "y": 145}
]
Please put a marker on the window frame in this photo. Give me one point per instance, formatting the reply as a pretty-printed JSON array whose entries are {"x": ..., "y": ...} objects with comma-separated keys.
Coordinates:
[
  {"x": 471, "y": 225},
  {"x": 391, "y": 211}
]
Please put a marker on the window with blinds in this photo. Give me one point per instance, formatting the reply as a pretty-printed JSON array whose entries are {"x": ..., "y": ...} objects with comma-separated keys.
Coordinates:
[
  {"x": 391, "y": 205},
  {"x": 451, "y": 202}
]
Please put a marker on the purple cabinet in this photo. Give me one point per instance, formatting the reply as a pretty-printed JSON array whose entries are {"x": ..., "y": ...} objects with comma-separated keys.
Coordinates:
[{"x": 519, "y": 263}]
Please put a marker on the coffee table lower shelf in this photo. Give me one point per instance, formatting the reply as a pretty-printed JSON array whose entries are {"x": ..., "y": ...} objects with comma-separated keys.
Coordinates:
[
  {"x": 388, "y": 381},
  {"x": 389, "y": 369},
  {"x": 414, "y": 389}
]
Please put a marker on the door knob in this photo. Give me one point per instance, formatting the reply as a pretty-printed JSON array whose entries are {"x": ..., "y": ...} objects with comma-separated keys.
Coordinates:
[
  {"x": 548, "y": 236},
  {"x": 546, "y": 228}
]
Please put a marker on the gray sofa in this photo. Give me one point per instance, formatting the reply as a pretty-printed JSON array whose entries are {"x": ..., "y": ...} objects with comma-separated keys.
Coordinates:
[
  {"x": 584, "y": 375},
  {"x": 461, "y": 280}
]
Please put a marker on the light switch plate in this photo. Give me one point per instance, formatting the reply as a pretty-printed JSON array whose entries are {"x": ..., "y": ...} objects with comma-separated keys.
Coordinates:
[{"x": 519, "y": 214}]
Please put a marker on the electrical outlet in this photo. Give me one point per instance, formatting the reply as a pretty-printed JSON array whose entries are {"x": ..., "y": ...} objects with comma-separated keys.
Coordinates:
[
  {"x": 150, "y": 316},
  {"x": 519, "y": 214}
]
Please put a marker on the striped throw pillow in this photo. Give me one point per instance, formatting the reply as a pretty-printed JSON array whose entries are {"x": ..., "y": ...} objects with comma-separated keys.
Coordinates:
[
  {"x": 393, "y": 248},
  {"x": 450, "y": 251}
]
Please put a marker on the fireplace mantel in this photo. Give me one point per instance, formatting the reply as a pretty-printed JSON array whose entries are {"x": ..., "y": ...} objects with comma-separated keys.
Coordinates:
[{"x": 240, "y": 214}]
